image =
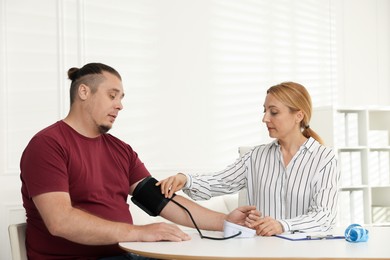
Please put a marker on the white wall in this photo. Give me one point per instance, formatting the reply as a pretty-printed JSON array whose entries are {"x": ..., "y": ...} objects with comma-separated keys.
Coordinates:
[
  {"x": 195, "y": 72},
  {"x": 364, "y": 45}
]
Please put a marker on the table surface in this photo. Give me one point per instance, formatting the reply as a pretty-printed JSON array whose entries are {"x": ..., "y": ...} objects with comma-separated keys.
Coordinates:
[{"x": 377, "y": 247}]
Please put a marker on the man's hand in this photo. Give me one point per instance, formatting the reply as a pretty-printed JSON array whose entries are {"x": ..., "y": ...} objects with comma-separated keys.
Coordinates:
[
  {"x": 240, "y": 215},
  {"x": 172, "y": 184},
  {"x": 160, "y": 232},
  {"x": 266, "y": 226}
]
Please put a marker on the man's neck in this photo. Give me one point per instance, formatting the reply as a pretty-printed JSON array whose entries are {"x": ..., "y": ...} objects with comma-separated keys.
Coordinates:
[{"x": 81, "y": 126}]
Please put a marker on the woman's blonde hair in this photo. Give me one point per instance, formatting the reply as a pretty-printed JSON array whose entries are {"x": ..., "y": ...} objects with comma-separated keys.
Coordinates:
[{"x": 296, "y": 98}]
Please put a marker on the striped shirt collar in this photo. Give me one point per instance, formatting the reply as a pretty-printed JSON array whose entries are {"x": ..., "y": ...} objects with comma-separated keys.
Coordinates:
[{"x": 311, "y": 144}]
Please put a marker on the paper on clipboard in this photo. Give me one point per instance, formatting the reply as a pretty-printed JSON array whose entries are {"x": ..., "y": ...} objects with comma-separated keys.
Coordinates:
[{"x": 297, "y": 236}]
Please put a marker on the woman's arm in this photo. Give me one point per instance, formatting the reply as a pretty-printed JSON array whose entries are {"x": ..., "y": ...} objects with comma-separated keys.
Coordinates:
[{"x": 204, "y": 186}]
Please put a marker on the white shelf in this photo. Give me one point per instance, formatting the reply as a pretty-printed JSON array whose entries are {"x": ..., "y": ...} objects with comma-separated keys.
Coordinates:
[
  {"x": 360, "y": 137},
  {"x": 353, "y": 188}
]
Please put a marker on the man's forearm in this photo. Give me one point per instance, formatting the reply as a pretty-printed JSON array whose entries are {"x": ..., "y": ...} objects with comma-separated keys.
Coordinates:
[
  {"x": 84, "y": 228},
  {"x": 63, "y": 220},
  {"x": 205, "y": 218}
]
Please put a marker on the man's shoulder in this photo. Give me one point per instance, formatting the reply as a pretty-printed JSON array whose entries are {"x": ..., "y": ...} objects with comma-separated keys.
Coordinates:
[
  {"x": 53, "y": 128},
  {"x": 114, "y": 139},
  {"x": 57, "y": 133}
]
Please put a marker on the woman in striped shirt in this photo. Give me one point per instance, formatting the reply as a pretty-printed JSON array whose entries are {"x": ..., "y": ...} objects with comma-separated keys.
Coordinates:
[{"x": 292, "y": 181}]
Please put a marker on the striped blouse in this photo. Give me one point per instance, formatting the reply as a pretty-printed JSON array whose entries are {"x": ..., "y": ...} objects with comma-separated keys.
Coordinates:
[{"x": 302, "y": 196}]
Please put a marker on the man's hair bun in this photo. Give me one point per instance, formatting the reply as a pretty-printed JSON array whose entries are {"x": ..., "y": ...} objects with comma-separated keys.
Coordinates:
[{"x": 73, "y": 73}]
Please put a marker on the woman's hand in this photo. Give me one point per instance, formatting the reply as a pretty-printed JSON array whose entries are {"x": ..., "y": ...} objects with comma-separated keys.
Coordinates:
[
  {"x": 172, "y": 184},
  {"x": 265, "y": 226}
]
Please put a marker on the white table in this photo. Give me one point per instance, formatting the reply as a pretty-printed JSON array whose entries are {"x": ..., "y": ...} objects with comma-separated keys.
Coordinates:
[{"x": 377, "y": 247}]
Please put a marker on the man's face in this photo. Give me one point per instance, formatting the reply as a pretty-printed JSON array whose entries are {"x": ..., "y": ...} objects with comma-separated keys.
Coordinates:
[{"x": 105, "y": 104}]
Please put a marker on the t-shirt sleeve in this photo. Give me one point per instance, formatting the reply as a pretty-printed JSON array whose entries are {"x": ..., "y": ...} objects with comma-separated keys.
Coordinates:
[
  {"x": 43, "y": 166},
  {"x": 138, "y": 170}
]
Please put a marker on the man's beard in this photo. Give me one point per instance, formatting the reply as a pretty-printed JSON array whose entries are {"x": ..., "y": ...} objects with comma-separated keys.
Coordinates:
[{"x": 104, "y": 129}]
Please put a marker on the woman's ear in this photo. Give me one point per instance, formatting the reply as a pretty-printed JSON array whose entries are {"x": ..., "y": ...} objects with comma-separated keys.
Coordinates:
[
  {"x": 299, "y": 115},
  {"x": 83, "y": 91}
]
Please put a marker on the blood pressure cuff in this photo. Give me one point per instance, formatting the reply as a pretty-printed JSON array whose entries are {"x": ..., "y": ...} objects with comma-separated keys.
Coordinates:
[{"x": 148, "y": 197}]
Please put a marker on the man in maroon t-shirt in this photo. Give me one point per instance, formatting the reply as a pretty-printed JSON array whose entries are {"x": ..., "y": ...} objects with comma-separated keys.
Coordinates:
[{"x": 76, "y": 178}]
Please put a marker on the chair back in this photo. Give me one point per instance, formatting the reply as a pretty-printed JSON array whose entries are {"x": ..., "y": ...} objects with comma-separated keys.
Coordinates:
[
  {"x": 242, "y": 195},
  {"x": 17, "y": 238}
]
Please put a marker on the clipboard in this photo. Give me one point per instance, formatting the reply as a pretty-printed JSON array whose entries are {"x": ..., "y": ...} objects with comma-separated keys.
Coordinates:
[{"x": 299, "y": 236}]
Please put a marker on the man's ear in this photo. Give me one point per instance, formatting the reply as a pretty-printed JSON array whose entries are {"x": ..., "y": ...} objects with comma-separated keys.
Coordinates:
[{"x": 83, "y": 91}]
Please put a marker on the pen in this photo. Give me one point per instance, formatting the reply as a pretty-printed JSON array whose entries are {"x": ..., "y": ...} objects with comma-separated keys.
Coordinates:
[
  {"x": 319, "y": 237},
  {"x": 295, "y": 231},
  {"x": 324, "y": 237}
]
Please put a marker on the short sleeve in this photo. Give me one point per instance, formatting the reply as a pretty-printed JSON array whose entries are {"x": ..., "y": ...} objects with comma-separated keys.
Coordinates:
[{"x": 43, "y": 166}]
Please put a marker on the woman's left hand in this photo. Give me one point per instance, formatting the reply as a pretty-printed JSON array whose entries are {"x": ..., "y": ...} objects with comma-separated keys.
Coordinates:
[{"x": 265, "y": 226}]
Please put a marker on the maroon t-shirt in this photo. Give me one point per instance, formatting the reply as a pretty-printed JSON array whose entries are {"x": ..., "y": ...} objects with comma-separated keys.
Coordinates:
[{"x": 96, "y": 172}]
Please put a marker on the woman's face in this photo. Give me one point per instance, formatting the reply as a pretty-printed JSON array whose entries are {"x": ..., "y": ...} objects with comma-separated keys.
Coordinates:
[{"x": 280, "y": 121}]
